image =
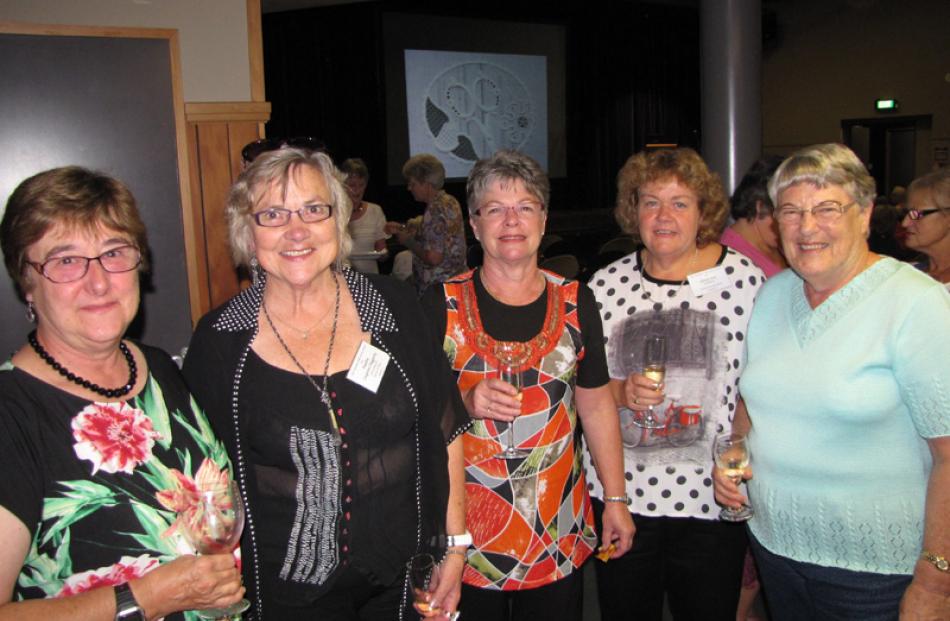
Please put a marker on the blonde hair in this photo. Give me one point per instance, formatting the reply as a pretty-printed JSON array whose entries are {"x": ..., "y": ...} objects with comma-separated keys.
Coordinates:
[{"x": 280, "y": 166}]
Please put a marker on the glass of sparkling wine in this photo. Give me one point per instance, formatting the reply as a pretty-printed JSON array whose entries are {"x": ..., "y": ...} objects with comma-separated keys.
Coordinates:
[
  {"x": 423, "y": 579},
  {"x": 654, "y": 368},
  {"x": 732, "y": 457},
  {"x": 509, "y": 370},
  {"x": 213, "y": 526}
]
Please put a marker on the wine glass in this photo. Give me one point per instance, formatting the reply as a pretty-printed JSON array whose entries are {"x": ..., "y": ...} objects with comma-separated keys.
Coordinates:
[
  {"x": 423, "y": 579},
  {"x": 509, "y": 370},
  {"x": 654, "y": 368},
  {"x": 732, "y": 457},
  {"x": 213, "y": 525}
]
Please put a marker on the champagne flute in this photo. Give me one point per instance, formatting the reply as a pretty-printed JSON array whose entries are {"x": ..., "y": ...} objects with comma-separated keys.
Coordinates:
[
  {"x": 213, "y": 525},
  {"x": 509, "y": 370},
  {"x": 732, "y": 457},
  {"x": 654, "y": 368},
  {"x": 423, "y": 579}
]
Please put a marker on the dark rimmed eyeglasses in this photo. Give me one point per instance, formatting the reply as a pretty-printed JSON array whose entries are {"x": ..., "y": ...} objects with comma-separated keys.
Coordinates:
[
  {"x": 917, "y": 214},
  {"x": 253, "y": 149},
  {"x": 70, "y": 269},
  {"x": 278, "y": 216}
]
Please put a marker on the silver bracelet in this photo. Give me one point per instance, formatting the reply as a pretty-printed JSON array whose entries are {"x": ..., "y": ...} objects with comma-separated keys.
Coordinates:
[{"x": 625, "y": 499}]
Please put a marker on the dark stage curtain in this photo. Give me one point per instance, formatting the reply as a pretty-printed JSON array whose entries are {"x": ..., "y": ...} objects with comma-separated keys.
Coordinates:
[{"x": 632, "y": 79}]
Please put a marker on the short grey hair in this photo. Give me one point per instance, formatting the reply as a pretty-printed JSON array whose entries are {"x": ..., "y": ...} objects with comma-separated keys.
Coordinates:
[
  {"x": 280, "y": 166},
  {"x": 938, "y": 182},
  {"x": 425, "y": 168},
  {"x": 823, "y": 165},
  {"x": 507, "y": 165}
]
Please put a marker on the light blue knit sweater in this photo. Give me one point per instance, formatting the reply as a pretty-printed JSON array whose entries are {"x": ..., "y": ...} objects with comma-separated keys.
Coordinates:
[{"x": 842, "y": 399}]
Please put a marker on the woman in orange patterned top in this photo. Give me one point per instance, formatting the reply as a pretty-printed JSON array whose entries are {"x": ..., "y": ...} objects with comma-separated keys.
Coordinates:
[{"x": 530, "y": 515}]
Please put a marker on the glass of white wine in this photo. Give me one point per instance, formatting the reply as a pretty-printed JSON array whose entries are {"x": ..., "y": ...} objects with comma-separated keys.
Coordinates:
[
  {"x": 654, "y": 368},
  {"x": 423, "y": 579},
  {"x": 732, "y": 457},
  {"x": 510, "y": 360}
]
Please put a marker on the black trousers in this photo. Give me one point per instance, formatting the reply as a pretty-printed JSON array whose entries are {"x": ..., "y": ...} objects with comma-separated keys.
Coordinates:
[
  {"x": 696, "y": 563},
  {"x": 559, "y": 601}
]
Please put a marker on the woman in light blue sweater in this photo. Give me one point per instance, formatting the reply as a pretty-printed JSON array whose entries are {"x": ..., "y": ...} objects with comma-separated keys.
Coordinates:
[{"x": 848, "y": 397}]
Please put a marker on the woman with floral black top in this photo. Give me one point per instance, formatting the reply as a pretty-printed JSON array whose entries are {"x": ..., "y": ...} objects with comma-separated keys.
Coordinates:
[{"x": 95, "y": 476}]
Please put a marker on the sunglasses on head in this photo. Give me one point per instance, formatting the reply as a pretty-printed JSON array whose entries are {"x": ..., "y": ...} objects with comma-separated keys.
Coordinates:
[{"x": 253, "y": 149}]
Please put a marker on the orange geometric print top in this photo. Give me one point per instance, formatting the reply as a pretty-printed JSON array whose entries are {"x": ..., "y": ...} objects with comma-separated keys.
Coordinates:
[{"x": 530, "y": 517}]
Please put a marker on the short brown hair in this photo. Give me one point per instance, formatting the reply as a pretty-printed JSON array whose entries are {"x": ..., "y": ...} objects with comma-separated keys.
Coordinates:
[
  {"x": 73, "y": 197},
  {"x": 685, "y": 166}
]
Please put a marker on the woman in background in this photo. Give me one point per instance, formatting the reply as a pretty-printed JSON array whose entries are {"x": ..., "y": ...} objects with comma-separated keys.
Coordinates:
[
  {"x": 684, "y": 286},
  {"x": 438, "y": 245},
  {"x": 928, "y": 222},
  {"x": 848, "y": 395},
  {"x": 367, "y": 222},
  {"x": 754, "y": 232}
]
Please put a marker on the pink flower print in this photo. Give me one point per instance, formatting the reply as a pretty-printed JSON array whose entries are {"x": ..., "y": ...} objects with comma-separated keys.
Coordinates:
[
  {"x": 185, "y": 498},
  {"x": 115, "y": 437},
  {"x": 126, "y": 569}
]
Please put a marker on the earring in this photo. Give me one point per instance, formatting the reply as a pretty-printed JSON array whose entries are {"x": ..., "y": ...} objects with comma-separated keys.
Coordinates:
[
  {"x": 30, "y": 312},
  {"x": 255, "y": 271}
]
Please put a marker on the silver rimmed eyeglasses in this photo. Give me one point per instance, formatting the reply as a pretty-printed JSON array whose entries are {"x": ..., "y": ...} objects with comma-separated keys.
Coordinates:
[
  {"x": 825, "y": 213},
  {"x": 496, "y": 211},
  {"x": 68, "y": 269},
  {"x": 917, "y": 214},
  {"x": 278, "y": 216}
]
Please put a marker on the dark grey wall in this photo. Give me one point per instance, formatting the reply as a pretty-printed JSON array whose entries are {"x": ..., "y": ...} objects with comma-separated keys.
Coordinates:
[{"x": 104, "y": 103}]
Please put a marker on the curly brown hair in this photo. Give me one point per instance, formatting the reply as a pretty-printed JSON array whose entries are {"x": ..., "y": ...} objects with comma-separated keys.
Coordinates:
[{"x": 687, "y": 167}]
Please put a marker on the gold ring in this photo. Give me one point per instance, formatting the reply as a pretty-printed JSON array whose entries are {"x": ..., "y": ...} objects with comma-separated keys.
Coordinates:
[{"x": 636, "y": 401}]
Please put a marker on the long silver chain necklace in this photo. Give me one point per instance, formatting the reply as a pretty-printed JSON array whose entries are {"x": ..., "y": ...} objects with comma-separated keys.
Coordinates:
[
  {"x": 324, "y": 391},
  {"x": 643, "y": 268}
]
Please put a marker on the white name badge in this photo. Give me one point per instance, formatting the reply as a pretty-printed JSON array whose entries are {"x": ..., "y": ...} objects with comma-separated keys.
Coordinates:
[
  {"x": 368, "y": 367},
  {"x": 707, "y": 281}
]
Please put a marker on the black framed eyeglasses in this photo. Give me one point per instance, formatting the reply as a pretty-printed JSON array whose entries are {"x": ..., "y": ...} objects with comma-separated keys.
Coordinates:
[
  {"x": 278, "y": 216},
  {"x": 917, "y": 214},
  {"x": 253, "y": 149},
  {"x": 70, "y": 269}
]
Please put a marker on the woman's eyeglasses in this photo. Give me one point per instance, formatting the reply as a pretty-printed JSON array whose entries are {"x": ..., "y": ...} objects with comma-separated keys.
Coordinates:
[
  {"x": 497, "y": 211},
  {"x": 917, "y": 214},
  {"x": 278, "y": 216},
  {"x": 69, "y": 269},
  {"x": 825, "y": 213},
  {"x": 252, "y": 150}
]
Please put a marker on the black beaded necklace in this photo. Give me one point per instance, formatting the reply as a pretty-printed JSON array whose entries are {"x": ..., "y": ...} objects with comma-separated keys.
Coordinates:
[{"x": 110, "y": 393}]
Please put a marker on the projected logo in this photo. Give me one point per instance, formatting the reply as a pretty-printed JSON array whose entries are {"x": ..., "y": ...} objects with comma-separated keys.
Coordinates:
[{"x": 473, "y": 109}]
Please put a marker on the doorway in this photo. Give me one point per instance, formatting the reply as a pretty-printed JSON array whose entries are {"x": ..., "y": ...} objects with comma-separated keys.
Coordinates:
[{"x": 889, "y": 147}]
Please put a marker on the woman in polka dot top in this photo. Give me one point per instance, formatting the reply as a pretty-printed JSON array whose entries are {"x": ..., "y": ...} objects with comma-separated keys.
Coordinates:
[{"x": 685, "y": 286}]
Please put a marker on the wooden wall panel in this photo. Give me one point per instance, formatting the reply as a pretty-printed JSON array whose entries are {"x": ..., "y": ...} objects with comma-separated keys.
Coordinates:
[{"x": 216, "y": 133}]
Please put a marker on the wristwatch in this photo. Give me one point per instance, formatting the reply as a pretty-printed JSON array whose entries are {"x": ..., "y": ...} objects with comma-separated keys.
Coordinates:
[
  {"x": 937, "y": 561},
  {"x": 465, "y": 539},
  {"x": 126, "y": 608}
]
